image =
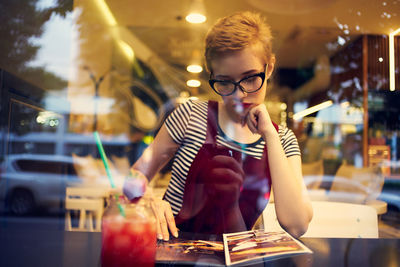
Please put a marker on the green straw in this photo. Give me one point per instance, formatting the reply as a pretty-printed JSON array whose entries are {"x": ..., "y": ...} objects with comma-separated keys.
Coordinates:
[{"x": 105, "y": 162}]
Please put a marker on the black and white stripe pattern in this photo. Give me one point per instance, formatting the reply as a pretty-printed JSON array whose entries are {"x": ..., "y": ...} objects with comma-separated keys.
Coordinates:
[
  {"x": 187, "y": 126},
  {"x": 194, "y": 116}
]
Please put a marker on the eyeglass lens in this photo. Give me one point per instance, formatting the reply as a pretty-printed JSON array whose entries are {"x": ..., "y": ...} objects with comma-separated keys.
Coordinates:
[{"x": 248, "y": 85}]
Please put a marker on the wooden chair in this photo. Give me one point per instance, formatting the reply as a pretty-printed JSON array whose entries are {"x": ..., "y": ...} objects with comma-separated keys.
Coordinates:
[
  {"x": 333, "y": 219},
  {"x": 89, "y": 201}
]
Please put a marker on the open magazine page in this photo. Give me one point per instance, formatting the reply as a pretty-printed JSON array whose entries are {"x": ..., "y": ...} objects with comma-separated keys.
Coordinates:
[
  {"x": 199, "y": 252},
  {"x": 250, "y": 245}
]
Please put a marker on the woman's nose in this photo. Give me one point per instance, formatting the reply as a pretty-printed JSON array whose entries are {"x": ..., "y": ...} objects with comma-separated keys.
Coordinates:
[{"x": 239, "y": 92}]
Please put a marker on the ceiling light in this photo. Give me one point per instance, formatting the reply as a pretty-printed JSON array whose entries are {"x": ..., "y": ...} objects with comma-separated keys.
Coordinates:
[
  {"x": 194, "y": 68},
  {"x": 195, "y": 18},
  {"x": 196, "y": 12},
  {"x": 105, "y": 10},
  {"x": 193, "y": 83},
  {"x": 311, "y": 110},
  {"x": 126, "y": 49}
]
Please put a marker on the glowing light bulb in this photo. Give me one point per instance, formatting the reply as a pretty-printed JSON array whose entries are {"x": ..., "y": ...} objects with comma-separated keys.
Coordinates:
[
  {"x": 193, "y": 83},
  {"x": 195, "y": 18},
  {"x": 194, "y": 68}
]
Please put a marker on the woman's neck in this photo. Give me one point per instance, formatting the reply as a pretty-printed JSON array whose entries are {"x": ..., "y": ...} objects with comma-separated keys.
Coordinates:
[{"x": 233, "y": 127}]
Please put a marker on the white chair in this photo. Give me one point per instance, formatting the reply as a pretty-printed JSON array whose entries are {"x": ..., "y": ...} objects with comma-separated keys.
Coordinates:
[
  {"x": 333, "y": 219},
  {"x": 90, "y": 204}
]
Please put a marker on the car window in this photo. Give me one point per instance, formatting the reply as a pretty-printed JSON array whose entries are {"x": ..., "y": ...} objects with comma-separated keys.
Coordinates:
[{"x": 51, "y": 167}]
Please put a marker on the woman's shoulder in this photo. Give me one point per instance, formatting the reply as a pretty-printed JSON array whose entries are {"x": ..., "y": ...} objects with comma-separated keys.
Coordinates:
[
  {"x": 195, "y": 106},
  {"x": 282, "y": 128},
  {"x": 189, "y": 110},
  {"x": 193, "y": 102},
  {"x": 285, "y": 132}
]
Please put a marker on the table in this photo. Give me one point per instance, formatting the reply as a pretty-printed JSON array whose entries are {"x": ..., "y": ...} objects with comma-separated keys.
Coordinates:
[{"x": 52, "y": 246}]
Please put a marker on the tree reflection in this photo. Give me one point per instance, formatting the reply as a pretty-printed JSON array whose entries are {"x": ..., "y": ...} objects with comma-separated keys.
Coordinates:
[{"x": 20, "y": 23}]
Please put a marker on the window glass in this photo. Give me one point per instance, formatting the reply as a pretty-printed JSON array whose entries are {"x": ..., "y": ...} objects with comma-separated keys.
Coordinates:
[{"x": 129, "y": 71}]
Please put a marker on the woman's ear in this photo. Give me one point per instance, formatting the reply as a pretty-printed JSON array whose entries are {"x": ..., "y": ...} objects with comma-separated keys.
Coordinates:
[{"x": 271, "y": 66}]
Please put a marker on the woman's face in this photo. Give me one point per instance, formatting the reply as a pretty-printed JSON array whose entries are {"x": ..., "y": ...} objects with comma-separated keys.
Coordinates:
[{"x": 236, "y": 66}]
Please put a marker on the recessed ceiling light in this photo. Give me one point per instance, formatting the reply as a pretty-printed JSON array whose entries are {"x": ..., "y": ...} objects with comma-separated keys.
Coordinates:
[
  {"x": 194, "y": 68},
  {"x": 196, "y": 18},
  {"x": 193, "y": 83}
]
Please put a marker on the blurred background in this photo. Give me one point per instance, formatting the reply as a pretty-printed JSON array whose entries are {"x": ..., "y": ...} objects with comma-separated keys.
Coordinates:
[{"x": 69, "y": 68}]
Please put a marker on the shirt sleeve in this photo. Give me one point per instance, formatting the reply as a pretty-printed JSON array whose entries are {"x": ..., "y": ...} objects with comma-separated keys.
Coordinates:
[
  {"x": 176, "y": 123},
  {"x": 289, "y": 142}
]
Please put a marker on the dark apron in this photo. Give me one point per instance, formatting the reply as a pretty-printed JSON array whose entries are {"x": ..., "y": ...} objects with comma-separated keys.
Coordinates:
[{"x": 198, "y": 213}]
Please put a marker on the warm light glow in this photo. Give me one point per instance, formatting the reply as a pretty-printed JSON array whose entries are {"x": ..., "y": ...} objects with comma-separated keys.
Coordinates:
[
  {"x": 196, "y": 18},
  {"x": 193, "y": 83},
  {"x": 391, "y": 60},
  {"x": 341, "y": 40},
  {"x": 112, "y": 22},
  {"x": 345, "y": 104},
  {"x": 148, "y": 139},
  {"x": 311, "y": 110},
  {"x": 105, "y": 10},
  {"x": 194, "y": 68},
  {"x": 126, "y": 49}
]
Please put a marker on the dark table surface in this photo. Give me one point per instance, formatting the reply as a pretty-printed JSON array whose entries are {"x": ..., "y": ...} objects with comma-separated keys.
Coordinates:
[{"x": 44, "y": 246}]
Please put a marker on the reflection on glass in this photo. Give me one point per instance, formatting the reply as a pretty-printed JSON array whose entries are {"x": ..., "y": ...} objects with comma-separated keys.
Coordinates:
[{"x": 68, "y": 68}]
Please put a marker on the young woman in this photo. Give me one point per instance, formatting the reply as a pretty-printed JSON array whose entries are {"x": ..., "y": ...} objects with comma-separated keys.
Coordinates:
[{"x": 229, "y": 155}]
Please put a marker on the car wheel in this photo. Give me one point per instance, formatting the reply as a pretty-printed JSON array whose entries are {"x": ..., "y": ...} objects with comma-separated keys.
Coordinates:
[{"x": 21, "y": 202}]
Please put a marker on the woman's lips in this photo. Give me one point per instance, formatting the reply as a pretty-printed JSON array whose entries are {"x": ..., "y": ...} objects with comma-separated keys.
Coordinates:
[
  {"x": 246, "y": 105},
  {"x": 240, "y": 107}
]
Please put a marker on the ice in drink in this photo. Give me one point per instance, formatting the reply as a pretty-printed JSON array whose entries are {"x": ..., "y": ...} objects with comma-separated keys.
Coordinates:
[{"x": 129, "y": 240}]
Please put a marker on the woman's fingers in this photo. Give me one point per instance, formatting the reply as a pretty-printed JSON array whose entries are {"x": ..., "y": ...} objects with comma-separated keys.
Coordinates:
[
  {"x": 258, "y": 119},
  {"x": 252, "y": 124},
  {"x": 165, "y": 219},
  {"x": 170, "y": 220}
]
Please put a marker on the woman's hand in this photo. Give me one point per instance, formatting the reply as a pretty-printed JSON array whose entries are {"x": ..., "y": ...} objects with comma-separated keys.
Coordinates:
[
  {"x": 223, "y": 179},
  {"x": 135, "y": 187},
  {"x": 165, "y": 219},
  {"x": 259, "y": 121}
]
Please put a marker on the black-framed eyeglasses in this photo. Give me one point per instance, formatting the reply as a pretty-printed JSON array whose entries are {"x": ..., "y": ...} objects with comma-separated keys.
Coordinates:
[{"x": 249, "y": 84}]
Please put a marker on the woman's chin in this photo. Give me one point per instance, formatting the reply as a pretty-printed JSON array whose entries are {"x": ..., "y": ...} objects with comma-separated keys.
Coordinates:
[{"x": 237, "y": 115}]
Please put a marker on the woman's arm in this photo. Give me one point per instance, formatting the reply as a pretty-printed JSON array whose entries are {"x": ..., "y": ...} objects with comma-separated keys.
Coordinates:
[
  {"x": 292, "y": 204},
  {"x": 160, "y": 151}
]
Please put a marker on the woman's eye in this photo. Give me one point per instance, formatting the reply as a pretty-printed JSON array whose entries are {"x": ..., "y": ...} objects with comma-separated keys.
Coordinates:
[
  {"x": 224, "y": 83},
  {"x": 250, "y": 80}
]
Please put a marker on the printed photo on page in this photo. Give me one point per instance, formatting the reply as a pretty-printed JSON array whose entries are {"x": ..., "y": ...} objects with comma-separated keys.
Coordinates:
[{"x": 257, "y": 244}]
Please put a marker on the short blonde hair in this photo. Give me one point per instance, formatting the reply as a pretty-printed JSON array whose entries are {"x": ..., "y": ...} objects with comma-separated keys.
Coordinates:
[{"x": 236, "y": 32}]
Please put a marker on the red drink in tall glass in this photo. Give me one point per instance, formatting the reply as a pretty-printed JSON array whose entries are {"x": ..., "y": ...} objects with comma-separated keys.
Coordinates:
[{"x": 130, "y": 240}]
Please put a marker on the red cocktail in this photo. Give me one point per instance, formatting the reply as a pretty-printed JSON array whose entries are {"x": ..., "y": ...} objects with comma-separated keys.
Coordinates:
[{"x": 130, "y": 240}]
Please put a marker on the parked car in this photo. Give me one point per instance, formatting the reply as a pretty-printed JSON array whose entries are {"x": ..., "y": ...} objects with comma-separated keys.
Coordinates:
[{"x": 32, "y": 181}]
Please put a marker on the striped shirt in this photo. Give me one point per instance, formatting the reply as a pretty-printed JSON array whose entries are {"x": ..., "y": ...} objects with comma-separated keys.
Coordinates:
[{"x": 187, "y": 125}]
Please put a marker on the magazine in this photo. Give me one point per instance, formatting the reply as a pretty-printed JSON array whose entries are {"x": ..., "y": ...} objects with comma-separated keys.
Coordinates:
[
  {"x": 257, "y": 244},
  {"x": 235, "y": 249},
  {"x": 186, "y": 251}
]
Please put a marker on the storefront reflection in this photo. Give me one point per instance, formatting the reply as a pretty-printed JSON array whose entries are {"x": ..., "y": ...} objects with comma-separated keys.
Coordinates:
[{"x": 64, "y": 73}]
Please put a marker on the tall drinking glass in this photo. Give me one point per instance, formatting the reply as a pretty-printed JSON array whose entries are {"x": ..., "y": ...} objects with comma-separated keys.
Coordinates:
[{"x": 129, "y": 240}]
